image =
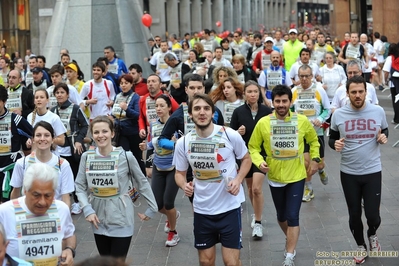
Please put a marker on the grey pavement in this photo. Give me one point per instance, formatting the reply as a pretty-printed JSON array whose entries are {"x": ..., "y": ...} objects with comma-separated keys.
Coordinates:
[{"x": 323, "y": 223}]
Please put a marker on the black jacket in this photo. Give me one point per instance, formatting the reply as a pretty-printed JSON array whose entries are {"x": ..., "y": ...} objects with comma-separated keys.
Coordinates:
[{"x": 242, "y": 116}]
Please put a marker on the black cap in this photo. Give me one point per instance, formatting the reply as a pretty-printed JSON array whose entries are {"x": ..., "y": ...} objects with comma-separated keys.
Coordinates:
[{"x": 36, "y": 70}]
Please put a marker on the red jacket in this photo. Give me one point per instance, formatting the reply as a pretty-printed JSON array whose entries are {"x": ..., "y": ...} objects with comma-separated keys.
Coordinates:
[
  {"x": 257, "y": 64},
  {"x": 143, "y": 122},
  {"x": 141, "y": 88}
]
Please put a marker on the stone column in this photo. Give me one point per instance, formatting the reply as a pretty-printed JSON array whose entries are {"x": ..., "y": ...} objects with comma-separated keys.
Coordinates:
[
  {"x": 228, "y": 15},
  {"x": 185, "y": 22},
  {"x": 262, "y": 18},
  {"x": 207, "y": 15},
  {"x": 217, "y": 14},
  {"x": 196, "y": 15},
  {"x": 172, "y": 17},
  {"x": 158, "y": 26}
]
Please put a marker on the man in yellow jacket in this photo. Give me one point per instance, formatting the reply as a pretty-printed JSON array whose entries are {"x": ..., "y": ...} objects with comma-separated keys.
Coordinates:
[{"x": 282, "y": 135}]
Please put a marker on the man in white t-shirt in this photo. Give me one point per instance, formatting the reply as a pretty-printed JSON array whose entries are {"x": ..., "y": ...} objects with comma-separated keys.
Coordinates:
[
  {"x": 100, "y": 92},
  {"x": 379, "y": 49},
  {"x": 36, "y": 216},
  {"x": 158, "y": 64},
  {"x": 211, "y": 151}
]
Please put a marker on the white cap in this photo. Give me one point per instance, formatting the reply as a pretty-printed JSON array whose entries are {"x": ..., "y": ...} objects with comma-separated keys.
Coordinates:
[
  {"x": 293, "y": 30},
  {"x": 269, "y": 39}
]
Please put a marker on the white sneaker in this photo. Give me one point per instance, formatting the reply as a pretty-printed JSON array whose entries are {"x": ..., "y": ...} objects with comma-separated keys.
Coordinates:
[
  {"x": 173, "y": 239},
  {"x": 285, "y": 253},
  {"x": 257, "y": 232},
  {"x": 361, "y": 254},
  {"x": 374, "y": 244},
  {"x": 76, "y": 208},
  {"x": 253, "y": 220},
  {"x": 288, "y": 261},
  {"x": 166, "y": 228}
]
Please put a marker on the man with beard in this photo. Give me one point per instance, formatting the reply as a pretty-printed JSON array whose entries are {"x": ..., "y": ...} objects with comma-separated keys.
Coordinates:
[
  {"x": 100, "y": 92},
  {"x": 180, "y": 120},
  {"x": 284, "y": 161},
  {"x": 140, "y": 83},
  {"x": 310, "y": 99},
  {"x": 356, "y": 131},
  {"x": 211, "y": 150},
  {"x": 275, "y": 75}
]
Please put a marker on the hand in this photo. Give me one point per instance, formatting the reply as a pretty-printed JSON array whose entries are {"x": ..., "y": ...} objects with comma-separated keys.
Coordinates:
[
  {"x": 109, "y": 103},
  {"x": 366, "y": 66},
  {"x": 241, "y": 130},
  {"x": 313, "y": 167},
  {"x": 66, "y": 257},
  {"x": 92, "y": 218},
  {"x": 78, "y": 148},
  {"x": 176, "y": 85},
  {"x": 18, "y": 112},
  {"x": 319, "y": 78},
  {"x": 324, "y": 86},
  {"x": 29, "y": 143},
  {"x": 157, "y": 72},
  {"x": 174, "y": 139},
  {"x": 143, "y": 217},
  {"x": 234, "y": 187},
  {"x": 111, "y": 118},
  {"x": 339, "y": 144},
  {"x": 143, "y": 146},
  {"x": 264, "y": 167},
  {"x": 258, "y": 71},
  {"x": 123, "y": 105},
  {"x": 189, "y": 189},
  {"x": 316, "y": 122},
  {"x": 381, "y": 138},
  {"x": 92, "y": 101},
  {"x": 143, "y": 133}
]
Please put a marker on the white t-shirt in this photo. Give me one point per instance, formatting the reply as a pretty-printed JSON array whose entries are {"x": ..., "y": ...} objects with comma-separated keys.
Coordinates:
[
  {"x": 378, "y": 46},
  {"x": 7, "y": 218},
  {"x": 333, "y": 78},
  {"x": 295, "y": 67},
  {"x": 65, "y": 184},
  {"x": 371, "y": 65},
  {"x": 387, "y": 68},
  {"x": 341, "y": 99},
  {"x": 212, "y": 197},
  {"x": 101, "y": 93},
  {"x": 53, "y": 119}
]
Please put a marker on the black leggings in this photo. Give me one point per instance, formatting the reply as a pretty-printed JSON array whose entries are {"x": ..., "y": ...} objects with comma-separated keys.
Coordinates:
[
  {"x": 112, "y": 246},
  {"x": 367, "y": 187},
  {"x": 164, "y": 187}
]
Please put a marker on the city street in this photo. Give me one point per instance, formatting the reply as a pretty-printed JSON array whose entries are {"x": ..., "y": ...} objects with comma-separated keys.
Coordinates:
[{"x": 324, "y": 236}]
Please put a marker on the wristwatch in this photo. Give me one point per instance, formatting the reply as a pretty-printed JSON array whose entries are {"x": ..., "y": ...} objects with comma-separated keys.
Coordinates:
[
  {"x": 71, "y": 249},
  {"x": 317, "y": 159}
]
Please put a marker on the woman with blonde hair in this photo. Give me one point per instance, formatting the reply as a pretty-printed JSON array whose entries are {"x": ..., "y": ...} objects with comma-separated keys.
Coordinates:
[
  {"x": 199, "y": 47},
  {"x": 220, "y": 74},
  {"x": 227, "y": 97}
]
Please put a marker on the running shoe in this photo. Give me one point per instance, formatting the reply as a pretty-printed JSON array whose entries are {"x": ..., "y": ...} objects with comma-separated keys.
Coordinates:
[
  {"x": 323, "y": 177},
  {"x": 288, "y": 261},
  {"x": 374, "y": 243},
  {"x": 173, "y": 239},
  {"x": 361, "y": 254},
  {"x": 76, "y": 208},
  {"x": 253, "y": 221},
  {"x": 285, "y": 253},
  {"x": 166, "y": 228},
  {"x": 308, "y": 194},
  {"x": 257, "y": 232}
]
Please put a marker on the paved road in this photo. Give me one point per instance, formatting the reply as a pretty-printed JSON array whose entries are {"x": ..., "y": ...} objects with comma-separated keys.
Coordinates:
[{"x": 323, "y": 222}]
